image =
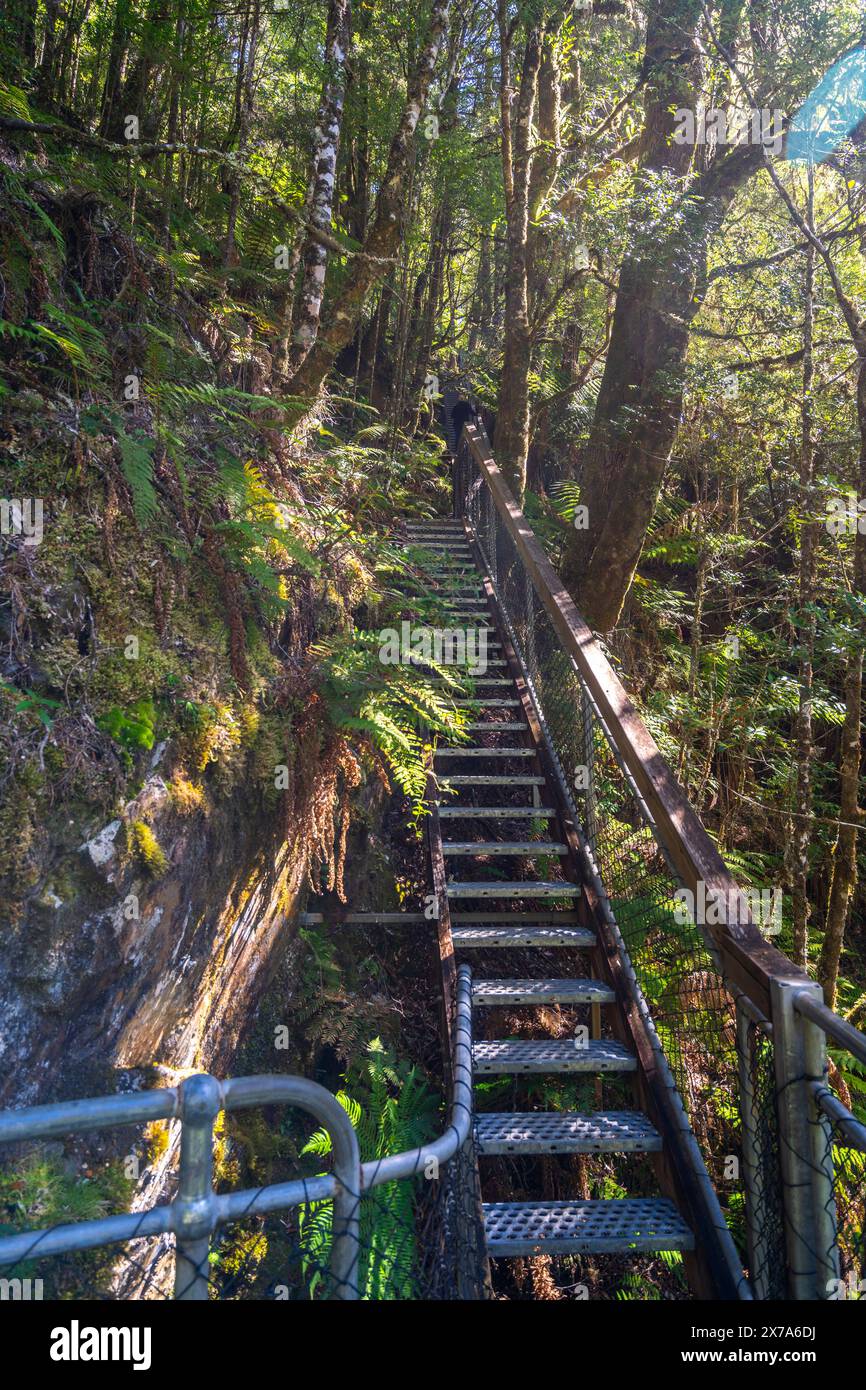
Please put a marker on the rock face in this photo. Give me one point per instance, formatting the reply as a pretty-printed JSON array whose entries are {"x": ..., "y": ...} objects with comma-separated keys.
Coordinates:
[{"x": 110, "y": 967}]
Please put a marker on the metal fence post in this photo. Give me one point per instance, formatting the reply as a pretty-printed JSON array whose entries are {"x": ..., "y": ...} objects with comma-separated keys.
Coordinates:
[
  {"x": 793, "y": 1102},
  {"x": 194, "y": 1214}
]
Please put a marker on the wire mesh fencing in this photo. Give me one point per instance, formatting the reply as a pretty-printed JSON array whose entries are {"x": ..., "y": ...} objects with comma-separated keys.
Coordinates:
[
  {"x": 420, "y": 1239},
  {"x": 718, "y": 1044},
  {"x": 764, "y": 1215},
  {"x": 848, "y": 1198},
  {"x": 417, "y": 1239},
  {"x": 837, "y": 1151},
  {"x": 403, "y": 1225}
]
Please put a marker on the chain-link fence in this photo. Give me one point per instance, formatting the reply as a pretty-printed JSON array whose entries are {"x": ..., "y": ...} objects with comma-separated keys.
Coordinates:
[{"x": 722, "y": 1057}]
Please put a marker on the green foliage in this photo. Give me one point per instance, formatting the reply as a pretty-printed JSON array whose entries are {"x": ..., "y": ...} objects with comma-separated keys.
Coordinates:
[
  {"x": 134, "y": 727},
  {"x": 392, "y": 706},
  {"x": 396, "y": 1111},
  {"x": 147, "y": 849},
  {"x": 41, "y": 1192},
  {"x": 44, "y": 708},
  {"x": 635, "y": 1286}
]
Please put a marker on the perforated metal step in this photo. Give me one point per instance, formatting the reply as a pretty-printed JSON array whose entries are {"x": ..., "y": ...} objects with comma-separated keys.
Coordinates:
[
  {"x": 460, "y": 594},
  {"x": 485, "y": 752},
  {"x": 490, "y": 726},
  {"x": 565, "y": 1131},
  {"x": 584, "y": 1228},
  {"x": 484, "y": 938},
  {"x": 495, "y": 812},
  {"x": 445, "y": 573},
  {"x": 526, "y": 847},
  {"x": 486, "y": 703},
  {"x": 453, "y": 542},
  {"x": 533, "y": 888},
  {"x": 473, "y": 779},
  {"x": 479, "y": 679},
  {"x": 551, "y": 917},
  {"x": 551, "y": 1056},
  {"x": 476, "y": 680},
  {"x": 568, "y": 991}
]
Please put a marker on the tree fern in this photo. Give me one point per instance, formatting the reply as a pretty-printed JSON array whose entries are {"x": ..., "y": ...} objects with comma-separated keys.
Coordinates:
[{"x": 398, "y": 1112}]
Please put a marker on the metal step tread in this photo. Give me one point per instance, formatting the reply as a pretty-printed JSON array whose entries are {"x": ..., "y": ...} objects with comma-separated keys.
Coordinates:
[
  {"x": 498, "y": 661},
  {"x": 469, "y": 661},
  {"x": 489, "y": 704},
  {"x": 590, "y": 1227},
  {"x": 459, "y": 593},
  {"x": 551, "y": 917},
  {"x": 504, "y": 1057},
  {"x": 490, "y": 726},
  {"x": 474, "y": 751},
  {"x": 474, "y": 779},
  {"x": 564, "y": 991},
  {"x": 482, "y": 938},
  {"x": 566, "y": 1131},
  {"x": 527, "y": 847},
  {"x": 532, "y": 888},
  {"x": 496, "y": 812}
]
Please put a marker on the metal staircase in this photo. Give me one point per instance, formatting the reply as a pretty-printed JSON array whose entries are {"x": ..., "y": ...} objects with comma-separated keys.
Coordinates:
[
  {"x": 697, "y": 1053},
  {"x": 537, "y": 916}
]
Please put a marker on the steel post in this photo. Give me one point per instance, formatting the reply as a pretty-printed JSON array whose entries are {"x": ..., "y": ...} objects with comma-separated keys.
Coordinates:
[
  {"x": 795, "y": 1142},
  {"x": 194, "y": 1210}
]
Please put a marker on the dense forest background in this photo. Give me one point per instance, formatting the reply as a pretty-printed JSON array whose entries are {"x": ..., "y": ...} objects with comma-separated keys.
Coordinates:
[{"x": 242, "y": 250}]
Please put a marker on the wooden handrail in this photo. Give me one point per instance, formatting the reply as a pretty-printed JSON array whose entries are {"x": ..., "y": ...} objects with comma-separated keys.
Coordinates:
[{"x": 750, "y": 961}]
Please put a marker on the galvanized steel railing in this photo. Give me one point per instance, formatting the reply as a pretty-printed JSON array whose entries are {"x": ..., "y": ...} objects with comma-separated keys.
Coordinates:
[
  {"x": 455, "y": 1247},
  {"x": 743, "y": 1032}
]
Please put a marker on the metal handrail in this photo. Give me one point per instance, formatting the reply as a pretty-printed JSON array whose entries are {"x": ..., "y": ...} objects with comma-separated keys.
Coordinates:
[
  {"x": 774, "y": 997},
  {"x": 197, "y": 1211},
  {"x": 752, "y": 961},
  {"x": 839, "y": 1029}
]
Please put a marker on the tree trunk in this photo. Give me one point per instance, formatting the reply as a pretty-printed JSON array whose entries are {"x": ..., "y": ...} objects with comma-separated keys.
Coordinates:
[
  {"x": 46, "y": 73},
  {"x": 323, "y": 176},
  {"x": 383, "y": 238},
  {"x": 244, "y": 103},
  {"x": 845, "y": 855},
  {"x": 114, "y": 72},
  {"x": 806, "y": 620},
  {"x": 512, "y": 409},
  {"x": 640, "y": 398}
]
